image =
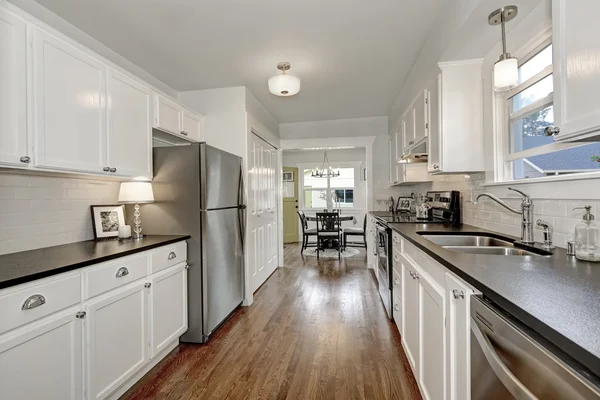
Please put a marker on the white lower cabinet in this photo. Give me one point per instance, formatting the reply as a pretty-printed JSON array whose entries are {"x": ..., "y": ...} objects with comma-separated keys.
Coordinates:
[
  {"x": 458, "y": 329},
  {"x": 43, "y": 360},
  {"x": 116, "y": 338},
  {"x": 168, "y": 307},
  {"x": 410, "y": 316}
]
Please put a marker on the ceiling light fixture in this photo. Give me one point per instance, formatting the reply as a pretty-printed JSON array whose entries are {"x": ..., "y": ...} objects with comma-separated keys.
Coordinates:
[
  {"x": 506, "y": 69},
  {"x": 284, "y": 84}
]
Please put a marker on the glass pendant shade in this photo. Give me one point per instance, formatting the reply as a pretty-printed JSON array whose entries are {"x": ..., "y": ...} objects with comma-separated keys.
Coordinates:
[
  {"x": 506, "y": 74},
  {"x": 284, "y": 84}
]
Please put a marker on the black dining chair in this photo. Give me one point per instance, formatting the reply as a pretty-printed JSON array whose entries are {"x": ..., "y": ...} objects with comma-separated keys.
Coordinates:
[
  {"x": 328, "y": 229},
  {"x": 356, "y": 232},
  {"x": 306, "y": 232}
]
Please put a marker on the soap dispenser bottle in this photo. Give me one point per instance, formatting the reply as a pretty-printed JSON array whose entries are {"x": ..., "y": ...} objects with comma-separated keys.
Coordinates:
[{"x": 587, "y": 237}]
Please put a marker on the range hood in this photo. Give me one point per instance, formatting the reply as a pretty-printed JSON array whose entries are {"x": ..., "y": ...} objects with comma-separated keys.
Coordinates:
[{"x": 417, "y": 154}]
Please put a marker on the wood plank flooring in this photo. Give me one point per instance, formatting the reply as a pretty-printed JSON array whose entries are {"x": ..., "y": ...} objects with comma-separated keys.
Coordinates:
[{"x": 316, "y": 330}]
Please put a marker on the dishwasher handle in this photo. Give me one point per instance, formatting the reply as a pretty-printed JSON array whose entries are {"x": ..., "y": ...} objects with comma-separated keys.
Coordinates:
[{"x": 508, "y": 379}]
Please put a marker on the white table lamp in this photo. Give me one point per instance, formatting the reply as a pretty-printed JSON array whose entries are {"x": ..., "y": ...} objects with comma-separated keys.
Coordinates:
[{"x": 136, "y": 193}]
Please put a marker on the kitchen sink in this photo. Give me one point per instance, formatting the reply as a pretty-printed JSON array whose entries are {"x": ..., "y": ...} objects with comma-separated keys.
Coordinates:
[{"x": 477, "y": 244}]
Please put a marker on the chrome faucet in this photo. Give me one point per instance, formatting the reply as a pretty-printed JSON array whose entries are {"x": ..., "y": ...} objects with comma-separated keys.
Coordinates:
[
  {"x": 526, "y": 213},
  {"x": 547, "y": 234}
]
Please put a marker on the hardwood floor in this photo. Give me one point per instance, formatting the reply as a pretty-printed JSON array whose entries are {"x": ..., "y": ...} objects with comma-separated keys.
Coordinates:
[{"x": 316, "y": 330}]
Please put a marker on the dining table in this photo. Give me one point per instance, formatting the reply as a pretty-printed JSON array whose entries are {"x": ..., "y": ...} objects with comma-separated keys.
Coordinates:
[{"x": 333, "y": 243}]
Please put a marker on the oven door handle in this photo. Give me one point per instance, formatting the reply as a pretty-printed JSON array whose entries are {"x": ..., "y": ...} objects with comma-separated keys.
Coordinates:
[{"x": 508, "y": 379}]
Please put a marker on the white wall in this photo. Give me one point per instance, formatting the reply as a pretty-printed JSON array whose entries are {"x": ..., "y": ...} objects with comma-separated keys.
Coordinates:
[{"x": 261, "y": 115}]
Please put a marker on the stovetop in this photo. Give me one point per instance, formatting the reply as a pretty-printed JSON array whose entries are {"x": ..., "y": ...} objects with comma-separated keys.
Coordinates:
[{"x": 409, "y": 218}]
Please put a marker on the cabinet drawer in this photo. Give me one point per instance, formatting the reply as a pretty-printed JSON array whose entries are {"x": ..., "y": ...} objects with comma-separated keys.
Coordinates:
[
  {"x": 168, "y": 256},
  {"x": 113, "y": 274},
  {"x": 29, "y": 302},
  {"x": 396, "y": 240},
  {"x": 427, "y": 264}
]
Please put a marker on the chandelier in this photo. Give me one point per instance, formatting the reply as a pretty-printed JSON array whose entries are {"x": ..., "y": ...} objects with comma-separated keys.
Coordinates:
[{"x": 325, "y": 170}]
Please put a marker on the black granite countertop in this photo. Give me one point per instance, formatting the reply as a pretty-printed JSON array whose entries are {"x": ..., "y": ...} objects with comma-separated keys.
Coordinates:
[
  {"x": 557, "y": 296},
  {"x": 25, "y": 266}
]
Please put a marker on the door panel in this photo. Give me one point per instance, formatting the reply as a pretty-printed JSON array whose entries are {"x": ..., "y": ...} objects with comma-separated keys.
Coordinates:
[
  {"x": 222, "y": 183},
  {"x": 410, "y": 317},
  {"x": 168, "y": 115},
  {"x": 290, "y": 208},
  {"x": 13, "y": 81},
  {"x": 223, "y": 265}
]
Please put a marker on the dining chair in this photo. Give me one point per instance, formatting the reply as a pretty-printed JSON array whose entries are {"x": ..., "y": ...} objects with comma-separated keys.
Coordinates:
[
  {"x": 306, "y": 232},
  {"x": 356, "y": 232},
  {"x": 328, "y": 228}
]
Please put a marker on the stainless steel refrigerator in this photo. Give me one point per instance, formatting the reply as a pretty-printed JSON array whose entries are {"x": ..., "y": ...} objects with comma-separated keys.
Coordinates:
[{"x": 199, "y": 191}]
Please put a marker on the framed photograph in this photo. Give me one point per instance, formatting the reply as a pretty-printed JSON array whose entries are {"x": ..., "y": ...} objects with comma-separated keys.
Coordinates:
[
  {"x": 404, "y": 203},
  {"x": 106, "y": 220},
  {"x": 288, "y": 176}
]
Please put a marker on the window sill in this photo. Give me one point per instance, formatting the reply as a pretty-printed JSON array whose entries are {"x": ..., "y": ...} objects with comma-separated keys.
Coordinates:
[{"x": 556, "y": 178}]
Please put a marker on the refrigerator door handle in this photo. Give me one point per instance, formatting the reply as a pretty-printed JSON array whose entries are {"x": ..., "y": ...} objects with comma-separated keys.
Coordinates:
[{"x": 242, "y": 206}]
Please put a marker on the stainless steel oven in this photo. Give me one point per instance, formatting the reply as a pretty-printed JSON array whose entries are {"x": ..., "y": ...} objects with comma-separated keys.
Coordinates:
[
  {"x": 384, "y": 250},
  {"x": 508, "y": 361}
]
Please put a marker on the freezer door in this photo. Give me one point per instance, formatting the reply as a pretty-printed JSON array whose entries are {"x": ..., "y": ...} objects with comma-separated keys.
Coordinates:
[
  {"x": 223, "y": 265},
  {"x": 220, "y": 178}
]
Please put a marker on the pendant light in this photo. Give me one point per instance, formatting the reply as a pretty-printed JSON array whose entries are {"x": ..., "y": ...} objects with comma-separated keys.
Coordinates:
[
  {"x": 506, "y": 69},
  {"x": 284, "y": 84},
  {"x": 325, "y": 170}
]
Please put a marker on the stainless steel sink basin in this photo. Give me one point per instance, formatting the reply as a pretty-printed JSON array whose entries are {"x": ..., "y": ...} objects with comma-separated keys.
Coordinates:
[
  {"x": 476, "y": 244},
  {"x": 466, "y": 240}
]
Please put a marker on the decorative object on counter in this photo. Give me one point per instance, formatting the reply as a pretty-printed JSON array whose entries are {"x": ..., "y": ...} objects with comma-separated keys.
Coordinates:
[
  {"x": 106, "y": 220},
  {"x": 326, "y": 171},
  {"x": 284, "y": 84},
  {"x": 423, "y": 208},
  {"x": 404, "y": 204},
  {"x": 288, "y": 176},
  {"x": 125, "y": 232},
  {"x": 506, "y": 69},
  {"x": 391, "y": 203},
  {"x": 136, "y": 193},
  {"x": 587, "y": 237}
]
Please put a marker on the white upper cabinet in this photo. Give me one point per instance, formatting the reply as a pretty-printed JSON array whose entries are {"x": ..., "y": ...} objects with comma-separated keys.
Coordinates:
[
  {"x": 69, "y": 111},
  {"x": 409, "y": 128},
  {"x": 458, "y": 125},
  {"x": 13, "y": 95},
  {"x": 129, "y": 126},
  {"x": 167, "y": 115},
  {"x": 399, "y": 138},
  {"x": 192, "y": 125},
  {"x": 576, "y": 73},
  {"x": 421, "y": 117}
]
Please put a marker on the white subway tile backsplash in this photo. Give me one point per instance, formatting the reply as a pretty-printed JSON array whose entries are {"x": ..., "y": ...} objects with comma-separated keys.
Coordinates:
[
  {"x": 557, "y": 208},
  {"x": 42, "y": 211}
]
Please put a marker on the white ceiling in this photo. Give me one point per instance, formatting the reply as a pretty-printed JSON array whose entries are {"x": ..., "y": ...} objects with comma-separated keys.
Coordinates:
[{"x": 352, "y": 55}]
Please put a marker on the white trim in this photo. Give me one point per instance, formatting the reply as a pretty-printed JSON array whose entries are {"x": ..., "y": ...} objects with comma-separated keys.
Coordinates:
[
  {"x": 550, "y": 179},
  {"x": 540, "y": 150},
  {"x": 532, "y": 165},
  {"x": 540, "y": 76},
  {"x": 531, "y": 108}
]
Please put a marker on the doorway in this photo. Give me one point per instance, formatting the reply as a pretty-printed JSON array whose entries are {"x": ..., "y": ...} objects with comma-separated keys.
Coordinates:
[{"x": 290, "y": 205}]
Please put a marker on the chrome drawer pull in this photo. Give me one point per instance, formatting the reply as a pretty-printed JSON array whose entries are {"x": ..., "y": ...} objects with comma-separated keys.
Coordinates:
[
  {"x": 33, "y": 301},
  {"x": 397, "y": 307},
  {"x": 171, "y": 256},
  {"x": 123, "y": 271},
  {"x": 458, "y": 294},
  {"x": 396, "y": 282}
]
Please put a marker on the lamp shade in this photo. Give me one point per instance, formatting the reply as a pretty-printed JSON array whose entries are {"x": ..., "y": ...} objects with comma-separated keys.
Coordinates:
[
  {"x": 506, "y": 74},
  {"x": 136, "y": 192},
  {"x": 284, "y": 84}
]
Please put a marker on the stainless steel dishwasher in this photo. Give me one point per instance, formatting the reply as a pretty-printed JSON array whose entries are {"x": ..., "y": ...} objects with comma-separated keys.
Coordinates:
[{"x": 509, "y": 362}]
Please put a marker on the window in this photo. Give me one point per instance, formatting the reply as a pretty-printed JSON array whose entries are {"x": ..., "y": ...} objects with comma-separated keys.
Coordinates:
[
  {"x": 529, "y": 152},
  {"x": 339, "y": 189}
]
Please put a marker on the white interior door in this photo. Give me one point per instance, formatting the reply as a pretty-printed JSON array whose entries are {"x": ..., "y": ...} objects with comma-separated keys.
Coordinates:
[{"x": 262, "y": 215}]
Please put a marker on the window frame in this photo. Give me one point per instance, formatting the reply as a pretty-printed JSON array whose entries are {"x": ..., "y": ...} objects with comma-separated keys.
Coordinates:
[
  {"x": 356, "y": 165},
  {"x": 503, "y": 118}
]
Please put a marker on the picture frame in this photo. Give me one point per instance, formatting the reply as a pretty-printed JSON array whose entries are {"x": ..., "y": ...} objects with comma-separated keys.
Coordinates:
[
  {"x": 106, "y": 220},
  {"x": 404, "y": 204},
  {"x": 288, "y": 176}
]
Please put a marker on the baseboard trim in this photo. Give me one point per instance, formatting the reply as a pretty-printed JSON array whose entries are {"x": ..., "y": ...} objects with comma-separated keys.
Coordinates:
[{"x": 134, "y": 379}]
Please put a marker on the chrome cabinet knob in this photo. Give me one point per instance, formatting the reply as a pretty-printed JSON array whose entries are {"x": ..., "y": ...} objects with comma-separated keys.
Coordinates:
[
  {"x": 458, "y": 294},
  {"x": 396, "y": 239},
  {"x": 396, "y": 282},
  {"x": 397, "y": 307},
  {"x": 184, "y": 133},
  {"x": 435, "y": 166},
  {"x": 113, "y": 170},
  {"x": 80, "y": 315},
  {"x": 147, "y": 285},
  {"x": 552, "y": 130},
  {"x": 25, "y": 159},
  {"x": 106, "y": 169}
]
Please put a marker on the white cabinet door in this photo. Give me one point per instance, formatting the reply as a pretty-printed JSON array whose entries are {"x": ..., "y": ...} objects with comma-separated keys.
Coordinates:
[
  {"x": 458, "y": 352},
  {"x": 167, "y": 115},
  {"x": 13, "y": 81},
  {"x": 192, "y": 126},
  {"x": 410, "y": 316},
  {"x": 398, "y": 136},
  {"x": 421, "y": 117},
  {"x": 43, "y": 360},
  {"x": 434, "y": 160},
  {"x": 432, "y": 340},
  {"x": 168, "y": 307},
  {"x": 409, "y": 128},
  {"x": 116, "y": 338},
  {"x": 129, "y": 126},
  {"x": 69, "y": 111},
  {"x": 576, "y": 74},
  {"x": 397, "y": 299}
]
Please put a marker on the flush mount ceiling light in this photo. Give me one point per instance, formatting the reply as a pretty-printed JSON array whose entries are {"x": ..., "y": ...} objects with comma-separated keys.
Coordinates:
[
  {"x": 506, "y": 69},
  {"x": 284, "y": 84}
]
